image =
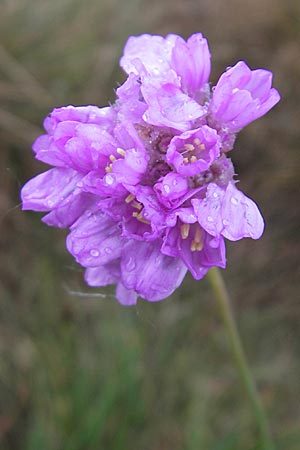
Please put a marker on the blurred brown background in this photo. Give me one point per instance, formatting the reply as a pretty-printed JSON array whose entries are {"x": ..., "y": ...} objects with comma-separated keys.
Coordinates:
[{"x": 80, "y": 372}]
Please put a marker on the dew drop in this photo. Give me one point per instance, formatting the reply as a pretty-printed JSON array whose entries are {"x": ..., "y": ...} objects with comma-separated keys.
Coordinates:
[
  {"x": 210, "y": 219},
  {"x": 130, "y": 264},
  {"x": 215, "y": 195},
  {"x": 157, "y": 261},
  {"x": 108, "y": 250},
  {"x": 234, "y": 201},
  {"x": 167, "y": 188},
  {"x": 94, "y": 252},
  {"x": 109, "y": 179},
  {"x": 225, "y": 222}
]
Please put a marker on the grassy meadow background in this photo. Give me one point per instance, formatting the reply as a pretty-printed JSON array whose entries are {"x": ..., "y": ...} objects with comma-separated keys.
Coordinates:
[{"x": 80, "y": 372}]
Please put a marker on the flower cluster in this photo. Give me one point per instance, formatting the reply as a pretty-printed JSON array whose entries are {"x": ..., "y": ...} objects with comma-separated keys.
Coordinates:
[{"x": 146, "y": 185}]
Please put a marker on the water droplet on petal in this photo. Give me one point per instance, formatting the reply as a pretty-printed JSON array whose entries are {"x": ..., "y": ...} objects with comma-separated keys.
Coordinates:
[
  {"x": 108, "y": 250},
  {"x": 215, "y": 195},
  {"x": 167, "y": 188},
  {"x": 234, "y": 201},
  {"x": 94, "y": 252},
  {"x": 130, "y": 264},
  {"x": 225, "y": 222},
  {"x": 157, "y": 261},
  {"x": 109, "y": 179},
  {"x": 210, "y": 219}
]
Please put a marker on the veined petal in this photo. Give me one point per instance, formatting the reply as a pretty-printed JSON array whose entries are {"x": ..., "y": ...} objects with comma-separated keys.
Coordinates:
[
  {"x": 151, "y": 274},
  {"x": 228, "y": 212},
  {"x": 103, "y": 275},
  {"x": 95, "y": 239},
  {"x": 191, "y": 61},
  {"x": 241, "y": 96},
  {"x": 70, "y": 210},
  {"x": 169, "y": 106},
  {"x": 50, "y": 189},
  {"x": 241, "y": 216},
  {"x": 152, "y": 52},
  {"x": 126, "y": 297}
]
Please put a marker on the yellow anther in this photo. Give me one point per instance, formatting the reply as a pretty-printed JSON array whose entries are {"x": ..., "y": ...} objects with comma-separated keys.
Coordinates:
[
  {"x": 198, "y": 144},
  {"x": 199, "y": 246},
  {"x": 112, "y": 158},
  {"x": 197, "y": 242},
  {"x": 129, "y": 198},
  {"x": 185, "y": 160},
  {"x": 184, "y": 230},
  {"x": 138, "y": 216},
  {"x": 198, "y": 235},
  {"x": 121, "y": 151},
  {"x": 189, "y": 147},
  {"x": 193, "y": 246},
  {"x": 137, "y": 205},
  {"x": 108, "y": 168},
  {"x": 193, "y": 159},
  {"x": 196, "y": 246}
]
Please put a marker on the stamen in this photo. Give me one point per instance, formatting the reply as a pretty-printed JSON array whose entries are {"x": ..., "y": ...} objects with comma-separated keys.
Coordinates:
[
  {"x": 193, "y": 246},
  {"x": 121, "y": 151},
  {"x": 137, "y": 205},
  {"x": 198, "y": 144},
  {"x": 199, "y": 246},
  {"x": 193, "y": 159},
  {"x": 185, "y": 160},
  {"x": 198, "y": 235},
  {"x": 197, "y": 242},
  {"x": 138, "y": 216},
  {"x": 108, "y": 168},
  {"x": 129, "y": 198},
  {"x": 189, "y": 147},
  {"x": 112, "y": 158},
  {"x": 184, "y": 230}
]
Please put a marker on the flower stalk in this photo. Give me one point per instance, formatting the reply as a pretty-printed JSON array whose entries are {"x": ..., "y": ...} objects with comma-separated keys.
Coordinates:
[{"x": 224, "y": 305}]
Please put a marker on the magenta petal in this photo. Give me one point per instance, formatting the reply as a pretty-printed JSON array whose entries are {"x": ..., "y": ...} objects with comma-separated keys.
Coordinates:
[
  {"x": 191, "y": 61},
  {"x": 228, "y": 212},
  {"x": 241, "y": 216},
  {"x": 169, "y": 106},
  {"x": 94, "y": 240},
  {"x": 103, "y": 275},
  {"x": 241, "y": 96},
  {"x": 151, "y": 274},
  {"x": 49, "y": 189},
  {"x": 126, "y": 297},
  {"x": 152, "y": 52},
  {"x": 70, "y": 210}
]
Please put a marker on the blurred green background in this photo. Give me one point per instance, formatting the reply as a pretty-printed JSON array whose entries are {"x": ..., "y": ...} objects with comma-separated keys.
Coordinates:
[{"x": 80, "y": 372}]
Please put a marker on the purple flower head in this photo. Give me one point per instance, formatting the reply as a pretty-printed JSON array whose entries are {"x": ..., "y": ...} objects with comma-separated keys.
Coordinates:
[{"x": 146, "y": 186}]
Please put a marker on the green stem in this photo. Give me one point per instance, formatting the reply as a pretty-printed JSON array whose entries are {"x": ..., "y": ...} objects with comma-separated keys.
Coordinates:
[{"x": 222, "y": 297}]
